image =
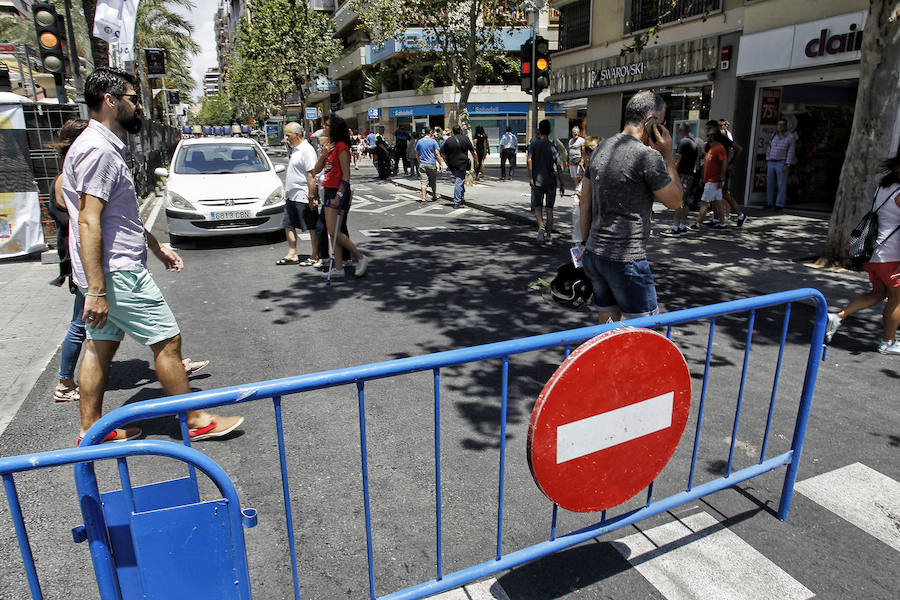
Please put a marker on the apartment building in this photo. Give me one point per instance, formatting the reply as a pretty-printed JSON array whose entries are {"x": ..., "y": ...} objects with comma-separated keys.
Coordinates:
[
  {"x": 749, "y": 61},
  {"x": 401, "y": 103},
  {"x": 211, "y": 82}
]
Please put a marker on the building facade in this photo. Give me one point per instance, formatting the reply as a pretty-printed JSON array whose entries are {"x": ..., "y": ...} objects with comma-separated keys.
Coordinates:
[
  {"x": 401, "y": 103},
  {"x": 748, "y": 61}
]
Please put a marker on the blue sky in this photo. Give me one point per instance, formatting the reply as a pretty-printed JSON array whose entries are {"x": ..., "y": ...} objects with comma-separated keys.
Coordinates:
[{"x": 203, "y": 18}]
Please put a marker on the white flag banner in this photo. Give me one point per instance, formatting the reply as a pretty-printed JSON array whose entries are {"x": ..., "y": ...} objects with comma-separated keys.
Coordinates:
[
  {"x": 126, "y": 39},
  {"x": 108, "y": 20}
]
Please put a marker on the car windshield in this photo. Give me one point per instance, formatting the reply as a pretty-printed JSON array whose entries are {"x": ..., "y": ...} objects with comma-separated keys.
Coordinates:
[{"x": 210, "y": 159}]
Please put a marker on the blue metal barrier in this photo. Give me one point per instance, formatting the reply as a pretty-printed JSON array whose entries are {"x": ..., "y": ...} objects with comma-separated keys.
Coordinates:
[
  {"x": 144, "y": 524},
  {"x": 96, "y": 525}
]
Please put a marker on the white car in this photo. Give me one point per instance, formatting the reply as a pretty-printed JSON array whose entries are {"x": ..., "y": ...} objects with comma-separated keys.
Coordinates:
[{"x": 222, "y": 186}]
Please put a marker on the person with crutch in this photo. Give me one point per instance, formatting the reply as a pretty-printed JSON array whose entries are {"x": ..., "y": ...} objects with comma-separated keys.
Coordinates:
[{"x": 335, "y": 163}]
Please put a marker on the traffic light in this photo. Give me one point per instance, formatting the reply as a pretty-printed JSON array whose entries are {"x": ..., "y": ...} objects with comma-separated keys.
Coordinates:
[
  {"x": 174, "y": 97},
  {"x": 525, "y": 70},
  {"x": 49, "y": 27},
  {"x": 334, "y": 101},
  {"x": 541, "y": 63}
]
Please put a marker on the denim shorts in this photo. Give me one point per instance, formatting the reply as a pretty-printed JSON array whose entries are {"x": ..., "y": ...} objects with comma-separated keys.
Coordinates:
[
  {"x": 136, "y": 307},
  {"x": 626, "y": 285},
  {"x": 332, "y": 201},
  {"x": 541, "y": 195}
]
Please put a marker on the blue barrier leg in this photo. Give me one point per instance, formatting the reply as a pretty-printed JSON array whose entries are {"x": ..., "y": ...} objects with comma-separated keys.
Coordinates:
[
  {"x": 437, "y": 472},
  {"x": 740, "y": 400},
  {"x": 809, "y": 384},
  {"x": 15, "y": 511},
  {"x": 709, "y": 345},
  {"x": 503, "y": 407},
  {"x": 360, "y": 387},
  {"x": 286, "y": 493},
  {"x": 784, "y": 330}
]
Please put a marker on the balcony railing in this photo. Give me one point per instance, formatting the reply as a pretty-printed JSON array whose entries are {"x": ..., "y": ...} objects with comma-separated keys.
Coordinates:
[{"x": 644, "y": 14}]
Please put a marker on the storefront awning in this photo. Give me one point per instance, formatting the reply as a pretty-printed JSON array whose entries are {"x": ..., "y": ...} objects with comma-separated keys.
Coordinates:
[
  {"x": 647, "y": 84},
  {"x": 498, "y": 108},
  {"x": 422, "y": 110}
]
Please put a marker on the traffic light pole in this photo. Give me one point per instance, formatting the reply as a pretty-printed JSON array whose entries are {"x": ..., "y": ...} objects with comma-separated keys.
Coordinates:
[
  {"x": 534, "y": 90},
  {"x": 73, "y": 55}
]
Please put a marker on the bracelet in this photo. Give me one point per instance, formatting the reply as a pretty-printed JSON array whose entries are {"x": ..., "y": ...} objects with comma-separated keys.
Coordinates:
[{"x": 95, "y": 295}]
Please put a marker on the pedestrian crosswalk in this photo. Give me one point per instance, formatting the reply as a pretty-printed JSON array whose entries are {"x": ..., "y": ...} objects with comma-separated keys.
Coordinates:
[{"x": 697, "y": 557}]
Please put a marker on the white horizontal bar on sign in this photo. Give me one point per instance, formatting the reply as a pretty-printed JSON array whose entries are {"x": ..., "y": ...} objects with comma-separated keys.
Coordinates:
[
  {"x": 697, "y": 558},
  {"x": 586, "y": 436},
  {"x": 860, "y": 495}
]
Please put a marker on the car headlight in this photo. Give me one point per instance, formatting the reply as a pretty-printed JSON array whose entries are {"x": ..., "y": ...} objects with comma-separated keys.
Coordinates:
[
  {"x": 177, "y": 201},
  {"x": 275, "y": 197}
]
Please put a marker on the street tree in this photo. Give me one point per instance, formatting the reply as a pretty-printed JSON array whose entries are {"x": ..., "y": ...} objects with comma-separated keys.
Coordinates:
[
  {"x": 465, "y": 38},
  {"x": 278, "y": 53},
  {"x": 215, "y": 111}
]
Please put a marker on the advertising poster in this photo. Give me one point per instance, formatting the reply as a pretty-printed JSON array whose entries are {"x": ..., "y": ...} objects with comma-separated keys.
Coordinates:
[
  {"x": 769, "y": 109},
  {"x": 20, "y": 212}
]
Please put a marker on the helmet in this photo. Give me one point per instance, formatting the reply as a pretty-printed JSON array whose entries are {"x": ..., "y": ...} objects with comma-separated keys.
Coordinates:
[{"x": 571, "y": 286}]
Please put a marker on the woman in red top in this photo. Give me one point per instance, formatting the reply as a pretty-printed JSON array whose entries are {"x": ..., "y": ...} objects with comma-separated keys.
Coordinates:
[{"x": 335, "y": 160}]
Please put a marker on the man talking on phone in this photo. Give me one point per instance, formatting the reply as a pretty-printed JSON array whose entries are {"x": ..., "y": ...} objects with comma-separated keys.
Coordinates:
[{"x": 626, "y": 173}]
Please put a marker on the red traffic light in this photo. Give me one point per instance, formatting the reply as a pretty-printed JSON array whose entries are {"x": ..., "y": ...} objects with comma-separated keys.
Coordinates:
[{"x": 526, "y": 68}]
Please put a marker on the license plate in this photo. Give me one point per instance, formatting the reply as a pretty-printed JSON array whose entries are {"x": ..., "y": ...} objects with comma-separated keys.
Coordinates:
[{"x": 227, "y": 215}]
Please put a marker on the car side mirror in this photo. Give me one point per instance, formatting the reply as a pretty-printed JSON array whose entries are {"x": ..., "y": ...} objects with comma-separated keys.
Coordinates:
[
  {"x": 161, "y": 172},
  {"x": 280, "y": 168}
]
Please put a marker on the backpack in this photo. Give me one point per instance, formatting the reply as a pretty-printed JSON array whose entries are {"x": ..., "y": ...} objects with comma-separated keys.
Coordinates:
[
  {"x": 861, "y": 243},
  {"x": 571, "y": 287}
]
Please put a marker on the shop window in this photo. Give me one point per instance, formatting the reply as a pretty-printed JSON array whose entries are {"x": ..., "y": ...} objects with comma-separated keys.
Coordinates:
[
  {"x": 644, "y": 14},
  {"x": 575, "y": 25}
]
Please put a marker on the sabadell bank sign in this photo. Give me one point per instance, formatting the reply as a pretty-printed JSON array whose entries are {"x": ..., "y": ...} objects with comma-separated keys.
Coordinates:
[{"x": 827, "y": 41}]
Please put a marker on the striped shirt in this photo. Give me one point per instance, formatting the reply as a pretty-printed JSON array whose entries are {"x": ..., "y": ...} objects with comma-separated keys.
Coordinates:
[{"x": 781, "y": 148}]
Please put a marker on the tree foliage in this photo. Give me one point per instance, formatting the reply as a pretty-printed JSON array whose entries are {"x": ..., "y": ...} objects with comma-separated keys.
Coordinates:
[
  {"x": 278, "y": 53},
  {"x": 464, "y": 38},
  {"x": 215, "y": 111},
  {"x": 158, "y": 25}
]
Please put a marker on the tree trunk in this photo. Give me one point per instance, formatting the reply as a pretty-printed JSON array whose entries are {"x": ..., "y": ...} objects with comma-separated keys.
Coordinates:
[
  {"x": 99, "y": 48},
  {"x": 873, "y": 135}
]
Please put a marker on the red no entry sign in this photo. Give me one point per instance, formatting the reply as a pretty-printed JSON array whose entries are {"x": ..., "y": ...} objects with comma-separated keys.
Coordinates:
[{"x": 609, "y": 419}]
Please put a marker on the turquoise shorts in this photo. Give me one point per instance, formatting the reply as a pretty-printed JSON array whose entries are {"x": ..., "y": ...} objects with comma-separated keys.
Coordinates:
[{"x": 136, "y": 307}]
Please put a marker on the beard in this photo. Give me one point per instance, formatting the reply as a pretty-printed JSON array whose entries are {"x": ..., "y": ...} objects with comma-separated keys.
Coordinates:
[{"x": 132, "y": 124}]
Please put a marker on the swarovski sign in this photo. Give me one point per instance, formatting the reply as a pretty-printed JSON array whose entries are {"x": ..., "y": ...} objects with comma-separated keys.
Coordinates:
[{"x": 619, "y": 72}]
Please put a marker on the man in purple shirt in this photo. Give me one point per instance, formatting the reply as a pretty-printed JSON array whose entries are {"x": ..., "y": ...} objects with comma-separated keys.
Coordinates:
[
  {"x": 108, "y": 246},
  {"x": 780, "y": 157}
]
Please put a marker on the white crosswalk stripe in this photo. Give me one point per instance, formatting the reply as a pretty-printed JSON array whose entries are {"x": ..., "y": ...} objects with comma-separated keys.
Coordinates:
[
  {"x": 861, "y": 496},
  {"x": 698, "y": 558},
  {"x": 488, "y": 589}
]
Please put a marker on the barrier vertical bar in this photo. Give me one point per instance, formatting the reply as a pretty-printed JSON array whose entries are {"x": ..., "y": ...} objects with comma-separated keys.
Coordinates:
[
  {"x": 437, "y": 473},
  {"x": 186, "y": 438},
  {"x": 784, "y": 330},
  {"x": 553, "y": 522},
  {"x": 709, "y": 345},
  {"x": 286, "y": 493},
  {"x": 15, "y": 511},
  {"x": 503, "y": 401},
  {"x": 809, "y": 384},
  {"x": 650, "y": 493},
  {"x": 125, "y": 478},
  {"x": 740, "y": 400},
  {"x": 364, "y": 456}
]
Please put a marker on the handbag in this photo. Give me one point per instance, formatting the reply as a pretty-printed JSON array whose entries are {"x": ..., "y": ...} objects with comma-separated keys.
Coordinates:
[{"x": 861, "y": 243}]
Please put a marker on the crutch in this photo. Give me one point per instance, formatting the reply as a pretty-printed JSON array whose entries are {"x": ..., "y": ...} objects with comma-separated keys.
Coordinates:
[{"x": 337, "y": 225}]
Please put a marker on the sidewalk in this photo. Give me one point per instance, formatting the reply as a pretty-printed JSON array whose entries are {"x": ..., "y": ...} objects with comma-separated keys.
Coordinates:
[{"x": 772, "y": 252}]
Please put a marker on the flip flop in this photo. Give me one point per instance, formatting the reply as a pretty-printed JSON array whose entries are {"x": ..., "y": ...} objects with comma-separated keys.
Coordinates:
[
  {"x": 287, "y": 261},
  {"x": 192, "y": 367},
  {"x": 66, "y": 395},
  {"x": 307, "y": 263}
]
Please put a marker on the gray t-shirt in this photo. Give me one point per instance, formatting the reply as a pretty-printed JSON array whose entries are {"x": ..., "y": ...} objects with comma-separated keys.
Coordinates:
[
  {"x": 624, "y": 173},
  {"x": 575, "y": 146}
]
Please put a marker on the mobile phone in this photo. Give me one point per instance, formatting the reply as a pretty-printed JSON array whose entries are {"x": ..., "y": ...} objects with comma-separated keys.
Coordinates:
[{"x": 649, "y": 126}]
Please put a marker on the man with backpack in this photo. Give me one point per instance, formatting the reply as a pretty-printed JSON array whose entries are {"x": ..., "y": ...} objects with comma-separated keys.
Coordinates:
[{"x": 454, "y": 151}]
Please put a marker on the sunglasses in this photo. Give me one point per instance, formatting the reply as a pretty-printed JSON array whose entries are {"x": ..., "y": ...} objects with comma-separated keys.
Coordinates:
[{"x": 135, "y": 98}]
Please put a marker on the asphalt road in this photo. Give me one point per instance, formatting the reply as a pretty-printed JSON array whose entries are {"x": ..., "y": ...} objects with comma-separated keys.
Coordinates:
[{"x": 443, "y": 279}]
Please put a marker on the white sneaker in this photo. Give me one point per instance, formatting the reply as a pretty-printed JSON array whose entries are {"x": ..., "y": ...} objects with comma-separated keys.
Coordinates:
[
  {"x": 541, "y": 235},
  {"x": 334, "y": 272},
  {"x": 361, "y": 267},
  {"x": 834, "y": 322},
  {"x": 889, "y": 347}
]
